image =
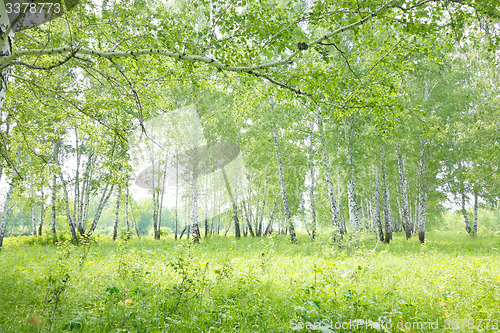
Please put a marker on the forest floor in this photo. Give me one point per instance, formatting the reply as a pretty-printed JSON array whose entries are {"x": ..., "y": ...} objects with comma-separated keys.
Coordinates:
[{"x": 452, "y": 283}]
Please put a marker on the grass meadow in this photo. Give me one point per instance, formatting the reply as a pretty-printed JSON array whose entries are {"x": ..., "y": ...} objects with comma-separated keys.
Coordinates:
[{"x": 452, "y": 283}]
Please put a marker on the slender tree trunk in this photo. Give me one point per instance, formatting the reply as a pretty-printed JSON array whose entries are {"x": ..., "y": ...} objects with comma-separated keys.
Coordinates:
[
  {"x": 42, "y": 213},
  {"x": 248, "y": 213},
  {"x": 84, "y": 203},
  {"x": 328, "y": 178},
  {"x": 339, "y": 203},
  {"x": 6, "y": 41},
  {"x": 311, "y": 188},
  {"x": 127, "y": 225},
  {"x": 354, "y": 218},
  {"x": 405, "y": 212},
  {"x": 288, "y": 216},
  {"x": 76, "y": 205},
  {"x": 464, "y": 211},
  {"x": 71, "y": 224},
  {"x": 5, "y": 213},
  {"x": 53, "y": 209},
  {"x": 33, "y": 220},
  {"x": 104, "y": 199},
  {"x": 255, "y": 220},
  {"x": 155, "y": 213},
  {"x": 353, "y": 205},
  {"x": 160, "y": 197},
  {"x": 133, "y": 221},
  {"x": 263, "y": 201},
  {"x": 117, "y": 212},
  {"x": 377, "y": 222},
  {"x": 422, "y": 195},
  {"x": 269, "y": 228},
  {"x": 474, "y": 228},
  {"x": 248, "y": 219},
  {"x": 387, "y": 202},
  {"x": 194, "y": 204},
  {"x": 237, "y": 233},
  {"x": 176, "y": 191}
]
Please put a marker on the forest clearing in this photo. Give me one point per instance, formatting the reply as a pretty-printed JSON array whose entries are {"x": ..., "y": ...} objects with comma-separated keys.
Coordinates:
[{"x": 253, "y": 285}]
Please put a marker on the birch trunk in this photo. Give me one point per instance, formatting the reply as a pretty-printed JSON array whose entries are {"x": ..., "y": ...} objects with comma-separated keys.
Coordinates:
[
  {"x": 377, "y": 222},
  {"x": 194, "y": 203},
  {"x": 387, "y": 202},
  {"x": 237, "y": 232},
  {"x": 288, "y": 216},
  {"x": 71, "y": 224},
  {"x": 33, "y": 220},
  {"x": 311, "y": 188},
  {"x": 255, "y": 220},
  {"x": 269, "y": 228},
  {"x": 339, "y": 203},
  {"x": 328, "y": 177},
  {"x": 351, "y": 179},
  {"x": 104, "y": 199},
  {"x": 85, "y": 197},
  {"x": 248, "y": 213},
  {"x": 464, "y": 212},
  {"x": 6, "y": 41},
  {"x": 76, "y": 214},
  {"x": 42, "y": 212},
  {"x": 133, "y": 221},
  {"x": 117, "y": 213},
  {"x": 160, "y": 201},
  {"x": 5, "y": 213},
  {"x": 248, "y": 218},
  {"x": 422, "y": 195},
  {"x": 176, "y": 191},
  {"x": 474, "y": 228},
  {"x": 263, "y": 201},
  {"x": 53, "y": 209},
  {"x": 351, "y": 200},
  {"x": 126, "y": 211},
  {"x": 405, "y": 211}
]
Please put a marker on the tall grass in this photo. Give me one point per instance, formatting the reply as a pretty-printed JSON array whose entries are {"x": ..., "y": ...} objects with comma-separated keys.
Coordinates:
[{"x": 250, "y": 285}]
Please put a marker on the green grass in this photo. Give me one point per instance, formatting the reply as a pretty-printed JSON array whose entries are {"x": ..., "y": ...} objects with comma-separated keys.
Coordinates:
[{"x": 250, "y": 285}]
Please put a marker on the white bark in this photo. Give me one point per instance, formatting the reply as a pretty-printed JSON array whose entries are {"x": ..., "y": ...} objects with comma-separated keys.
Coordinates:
[
  {"x": 328, "y": 177},
  {"x": 71, "y": 224},
  {"x": 263, "y": 202},
  {"x": 351, "y": 179},
  {"x": 42, "y": 212},
  {"x": 422, "y": 195},
  {"x": 102, "y": 202},
  {"x": 176, "y": 191},
  {"x": 311, "y": 189},
  {"x": 6, "y": 40},
  {"x": 194, "y": 203},
  {"x": 33, "y": 220},
  {"x": 464, "y": 211},
  {"x": 237, "y": 232},
  {"x": 53, "y": 208},
  {"x": 405, "y": 211},
  {"x": 117, "y": 213},
  {"x": 6, "y": 203},
  {"x": 474, "y": 228},
  {"x": 387, "y": 202},
  {"x": 377, "y": 222},
  {"x": 288, "y": 216}
]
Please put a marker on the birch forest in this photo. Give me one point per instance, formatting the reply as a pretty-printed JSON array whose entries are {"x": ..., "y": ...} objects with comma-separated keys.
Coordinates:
[{"x": 249, "y": 166}]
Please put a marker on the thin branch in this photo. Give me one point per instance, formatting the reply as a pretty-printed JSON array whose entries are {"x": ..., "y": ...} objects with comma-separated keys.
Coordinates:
[{"x": 57, "y": 64}]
